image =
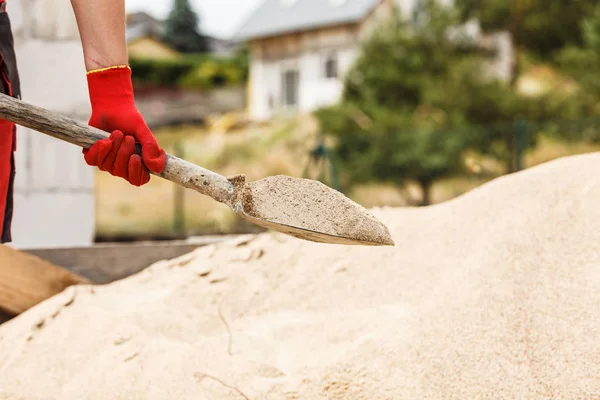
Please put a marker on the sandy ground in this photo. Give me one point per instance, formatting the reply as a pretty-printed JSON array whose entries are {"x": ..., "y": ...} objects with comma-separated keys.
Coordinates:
[{"x": 492, "y": 295}]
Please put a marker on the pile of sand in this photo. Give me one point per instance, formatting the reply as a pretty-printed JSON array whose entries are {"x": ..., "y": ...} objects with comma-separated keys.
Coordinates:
[{"x": 493, "y": 295}]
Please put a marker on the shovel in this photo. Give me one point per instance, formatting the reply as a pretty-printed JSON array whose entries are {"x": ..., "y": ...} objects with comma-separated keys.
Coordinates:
[{"x": 303, "y": 208}]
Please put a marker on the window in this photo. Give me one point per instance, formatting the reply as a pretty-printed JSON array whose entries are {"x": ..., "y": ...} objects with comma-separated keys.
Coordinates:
[
  {"x": 289, "y": 88},
  {"x": 331, "y": 66}
]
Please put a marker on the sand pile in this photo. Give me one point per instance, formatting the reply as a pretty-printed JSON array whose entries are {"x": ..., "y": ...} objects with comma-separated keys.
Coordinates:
[{"x": 493, "y": 295}]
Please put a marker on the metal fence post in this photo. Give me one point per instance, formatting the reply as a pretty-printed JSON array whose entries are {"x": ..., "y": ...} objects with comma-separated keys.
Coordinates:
[
  {"x": 321, "y": 157},
  {"x": 520, "y": 143},
  {"x": 179, "y": 197}
]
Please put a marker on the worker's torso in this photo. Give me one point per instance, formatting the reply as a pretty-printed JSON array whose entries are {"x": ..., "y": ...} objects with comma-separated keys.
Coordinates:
[{"x": 9, "y": 84}]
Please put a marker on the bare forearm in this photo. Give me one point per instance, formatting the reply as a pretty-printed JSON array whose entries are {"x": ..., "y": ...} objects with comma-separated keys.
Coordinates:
[{"x": 102, "y": 29}]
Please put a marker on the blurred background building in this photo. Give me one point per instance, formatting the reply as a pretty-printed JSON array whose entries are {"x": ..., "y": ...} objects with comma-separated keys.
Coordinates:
[
  {"x": 54, "y": 188},
  {"x": 300, "y": 50}
]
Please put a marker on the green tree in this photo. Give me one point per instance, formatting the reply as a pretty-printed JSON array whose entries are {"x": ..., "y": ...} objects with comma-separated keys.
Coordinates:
[
  {"x": 388, "y": 127},
  {"x": 490, "y": 110},
  {"x": 583, "y": 62},
  {"x": 392, "y": 148},
  {"x": 400, "y": 64},
  {"x": 541, "y": 27},
  {"x": 182, "y": 30},
  {"x": 416, "y": 99}
]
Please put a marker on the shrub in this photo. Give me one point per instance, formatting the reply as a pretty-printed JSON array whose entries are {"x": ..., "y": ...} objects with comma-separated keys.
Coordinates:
[
  {"x": 149, "y": 72},
  {"x": 200, "y": 72}
]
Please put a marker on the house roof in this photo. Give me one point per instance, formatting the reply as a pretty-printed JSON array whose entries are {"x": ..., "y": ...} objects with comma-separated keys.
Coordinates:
[
  {"x": 141, "y": 25},
  {"x": 275, "y": 17}
]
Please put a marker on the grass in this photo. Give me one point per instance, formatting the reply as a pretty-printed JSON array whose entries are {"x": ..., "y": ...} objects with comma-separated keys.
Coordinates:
[
  {"x": 549, "y": 149},
  {"x": 257, "y": 151}
]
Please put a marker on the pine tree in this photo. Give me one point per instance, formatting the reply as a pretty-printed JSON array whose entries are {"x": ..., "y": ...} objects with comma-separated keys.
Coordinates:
[
  {"x": 182, "y": 30},
  {"x": 541, "y": 27},
  {"x": 583, "y": 62}
]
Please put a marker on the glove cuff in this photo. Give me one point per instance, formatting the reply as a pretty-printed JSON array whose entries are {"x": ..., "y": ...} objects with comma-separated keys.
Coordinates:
[
  {"x": 95, "y": 71},
  {"x": 110, "y": 87}
]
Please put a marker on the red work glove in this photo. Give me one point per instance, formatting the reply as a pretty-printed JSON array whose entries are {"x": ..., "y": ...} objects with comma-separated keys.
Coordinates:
[
  {"x": 117, "y": 155},
  {"x": 114, "y": 110}
]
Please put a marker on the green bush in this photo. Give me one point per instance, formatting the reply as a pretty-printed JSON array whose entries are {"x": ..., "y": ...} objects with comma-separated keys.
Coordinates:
[
  {"x": 212, "y": 74},
  {"x": 197, "y": 71},
  {"x": 148, "y": 72}
]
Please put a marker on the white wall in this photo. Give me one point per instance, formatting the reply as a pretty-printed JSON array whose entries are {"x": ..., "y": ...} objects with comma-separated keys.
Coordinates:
[
  {"x": 261, "y": 84},
  {"x": 314, "y": 89},
  {"x": 54, "y": 188}
]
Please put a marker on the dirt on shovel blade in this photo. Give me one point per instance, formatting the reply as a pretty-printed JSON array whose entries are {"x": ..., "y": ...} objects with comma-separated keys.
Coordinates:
[{"x": 312, "y": 206}]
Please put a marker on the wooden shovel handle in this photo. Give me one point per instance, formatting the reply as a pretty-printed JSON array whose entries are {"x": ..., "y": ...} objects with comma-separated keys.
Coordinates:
[{"x": 66, "y": 129}]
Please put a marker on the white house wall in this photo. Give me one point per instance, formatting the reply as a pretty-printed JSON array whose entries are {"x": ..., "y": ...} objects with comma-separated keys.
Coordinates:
[
  {"x": 306, "y": 53},
  {"x": 261, "y": 85},
  {"x": 314, "y": 90},
  {"x": 54, "y": 188}
]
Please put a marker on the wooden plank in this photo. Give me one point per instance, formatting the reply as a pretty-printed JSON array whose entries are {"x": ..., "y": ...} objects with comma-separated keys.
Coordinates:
[
  {"x": 5, "y": 317},
  {"x": 108, "y": 262},
  {"x": 26, "y": 280}
]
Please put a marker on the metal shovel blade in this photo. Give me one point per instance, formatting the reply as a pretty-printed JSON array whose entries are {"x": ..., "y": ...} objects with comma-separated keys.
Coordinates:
[{"x": 307, "y": 209}]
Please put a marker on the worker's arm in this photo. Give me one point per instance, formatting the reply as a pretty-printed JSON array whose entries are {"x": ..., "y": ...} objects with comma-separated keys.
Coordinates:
[
  {"x": 102, "y": 27},
  {"x": 102, "y": 30}
]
